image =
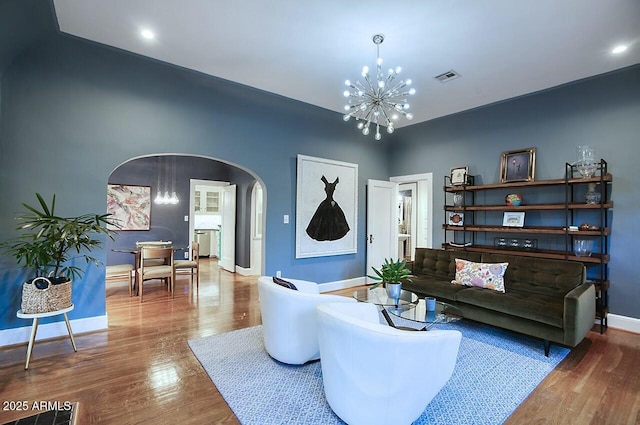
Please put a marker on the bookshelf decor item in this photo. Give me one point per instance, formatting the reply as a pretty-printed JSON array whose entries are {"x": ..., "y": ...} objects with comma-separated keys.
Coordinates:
[
  {"x": 459, "y": 176},
  {"x": 518, "y": 166},
  {"x": 513, "y": 219},
  {"x": 456, "y": 219}
]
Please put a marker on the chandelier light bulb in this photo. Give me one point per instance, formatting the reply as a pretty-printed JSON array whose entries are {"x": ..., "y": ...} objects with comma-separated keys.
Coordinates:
[
  {"x": 408, "y": 81},
  {"x": 379, "y": 98},
  {"x": 409, "y": 116}
]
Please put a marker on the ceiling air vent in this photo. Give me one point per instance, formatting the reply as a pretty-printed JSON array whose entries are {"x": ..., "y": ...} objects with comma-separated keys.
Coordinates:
[{"x": 447, "y": 76}]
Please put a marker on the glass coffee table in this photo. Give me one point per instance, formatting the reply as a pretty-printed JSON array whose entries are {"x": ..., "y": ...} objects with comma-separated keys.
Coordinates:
[
  {"x": 443, "y": 313},
  {"x": 378, "y": 296}
]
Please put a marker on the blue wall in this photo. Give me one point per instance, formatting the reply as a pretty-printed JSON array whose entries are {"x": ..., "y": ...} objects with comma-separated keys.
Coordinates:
[
  {"x": 603, "y": 112},
  {"x": 72, "y": 111}
]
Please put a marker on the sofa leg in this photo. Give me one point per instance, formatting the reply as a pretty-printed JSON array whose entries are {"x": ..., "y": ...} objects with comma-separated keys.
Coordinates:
[{"x": 547, "y": 346}]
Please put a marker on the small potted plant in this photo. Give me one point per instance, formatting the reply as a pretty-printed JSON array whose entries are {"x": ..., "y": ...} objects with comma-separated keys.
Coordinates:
[
  {"x": 392, "y": 274},
  {"x": 46, "y": 245}
]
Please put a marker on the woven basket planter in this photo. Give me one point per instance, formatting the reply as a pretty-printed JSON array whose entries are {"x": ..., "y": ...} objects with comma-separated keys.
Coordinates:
[{"x": 52, "y": 298}]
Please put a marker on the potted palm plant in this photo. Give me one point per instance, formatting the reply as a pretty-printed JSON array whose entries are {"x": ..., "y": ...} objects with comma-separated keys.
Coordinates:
[
  {"x": 46, "y": 246},
  {"x": 392, "y": 273}
]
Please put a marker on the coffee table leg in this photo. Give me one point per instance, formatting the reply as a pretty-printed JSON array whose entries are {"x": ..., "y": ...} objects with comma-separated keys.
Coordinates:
[
  {"x": 34, "y": 330},
  {"x": 73, "y": 341}
]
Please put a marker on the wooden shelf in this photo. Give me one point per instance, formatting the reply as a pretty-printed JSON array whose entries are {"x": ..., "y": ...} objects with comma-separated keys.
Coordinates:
[
  {"x": 553, "y": 182},
  {"x": 537, "y": 230},
  {"x": 543, "y": 207},
  {"x": 538, "y": 253}
]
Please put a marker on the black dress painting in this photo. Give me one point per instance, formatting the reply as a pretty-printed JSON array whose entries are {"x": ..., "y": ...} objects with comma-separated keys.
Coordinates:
[{"x": 328, "y": 223}]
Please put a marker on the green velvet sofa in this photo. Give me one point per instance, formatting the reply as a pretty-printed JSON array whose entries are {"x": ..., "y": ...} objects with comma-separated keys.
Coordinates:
[{"x": 544, "y": 298}]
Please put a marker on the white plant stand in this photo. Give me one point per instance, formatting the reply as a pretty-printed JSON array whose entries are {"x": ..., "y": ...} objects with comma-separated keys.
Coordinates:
[{"x": 34, "y": 328}]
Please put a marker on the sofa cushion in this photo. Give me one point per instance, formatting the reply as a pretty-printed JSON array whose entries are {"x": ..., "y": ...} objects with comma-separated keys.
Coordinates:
[
  {"x": 482, "y": 275},
  {"x": 540, "y": 308},
  {"x": 433, "y": 286},
  {"x": 439, "y": 263},
  {"x": 539, "y": 275}
]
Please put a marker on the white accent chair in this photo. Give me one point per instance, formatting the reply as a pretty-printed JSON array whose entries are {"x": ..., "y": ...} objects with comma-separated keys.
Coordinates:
[
  {"x": 375, "y": 374},
  {"x": 289, "y": 319}
]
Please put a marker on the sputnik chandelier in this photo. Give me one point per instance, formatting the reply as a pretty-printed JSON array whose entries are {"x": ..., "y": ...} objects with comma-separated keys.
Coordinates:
[{"x": 380, "y": 101}]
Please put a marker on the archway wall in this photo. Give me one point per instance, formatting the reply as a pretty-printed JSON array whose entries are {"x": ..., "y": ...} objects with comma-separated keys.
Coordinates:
[
  {"x": 72, "y": 111},
  {"x": 167, "y": 221}
]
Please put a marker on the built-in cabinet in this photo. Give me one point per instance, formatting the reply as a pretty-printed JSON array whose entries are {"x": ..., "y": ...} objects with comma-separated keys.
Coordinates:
[
  {"x": 553, "y": 220},
  {"x": 207, "y": 201}
]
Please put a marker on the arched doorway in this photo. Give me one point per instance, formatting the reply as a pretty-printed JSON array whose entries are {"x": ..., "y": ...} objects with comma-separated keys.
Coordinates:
[{"x": 173, "y": 221}]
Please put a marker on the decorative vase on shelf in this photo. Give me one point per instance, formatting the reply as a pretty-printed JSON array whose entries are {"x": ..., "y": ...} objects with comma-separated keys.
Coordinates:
[
  {"x": 592, "y": 196},
  {"x": 586, "y": 164},
  {"x": 582, "y": 247},
  {"x": 457, "y": 199}
]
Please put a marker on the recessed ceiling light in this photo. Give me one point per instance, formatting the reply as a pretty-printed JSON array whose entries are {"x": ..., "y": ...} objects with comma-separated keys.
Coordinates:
[
  {"x": 619, "y": 49},
  {"x": 148, "y": 34}
]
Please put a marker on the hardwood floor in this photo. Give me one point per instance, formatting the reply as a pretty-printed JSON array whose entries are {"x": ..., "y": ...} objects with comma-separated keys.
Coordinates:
[{"x": 141, "y": 370}]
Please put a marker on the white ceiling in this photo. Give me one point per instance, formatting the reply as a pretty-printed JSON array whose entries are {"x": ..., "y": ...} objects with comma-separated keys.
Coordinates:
[{"x": 305, "y": 50}]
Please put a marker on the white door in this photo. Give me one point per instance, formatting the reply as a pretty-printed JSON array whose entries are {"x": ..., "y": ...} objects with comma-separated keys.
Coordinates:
[
  {"x": 382, "y": 223},
  {"x": 228, "y": 255}
]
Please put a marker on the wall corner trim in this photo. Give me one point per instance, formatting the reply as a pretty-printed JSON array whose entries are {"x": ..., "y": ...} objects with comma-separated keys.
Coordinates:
[
  {"x": 342, "y": 284},
  {"x": 52, "y": 330},
  {"x": 624, "y": 323}
]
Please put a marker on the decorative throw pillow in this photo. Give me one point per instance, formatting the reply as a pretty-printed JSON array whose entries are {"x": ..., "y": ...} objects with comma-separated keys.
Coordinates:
[
  {"x": 284, "y": 283},
  {"x": 482, "y": 275}
]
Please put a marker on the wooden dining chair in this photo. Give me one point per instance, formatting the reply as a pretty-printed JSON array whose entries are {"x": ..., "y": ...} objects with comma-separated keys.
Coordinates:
[
  {"x": 192, "y": 264},
  {"x": 153, "y": 244},
  {"x": 165, "y": 271}
]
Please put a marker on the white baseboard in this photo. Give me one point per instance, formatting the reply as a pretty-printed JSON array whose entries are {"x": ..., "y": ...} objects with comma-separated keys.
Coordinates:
[
  {"x": 52, "y": 330},
  {"x": 624, "y": 323},
  {"x": 342, "y": 284},
  {"x": 243, "y": 271}
]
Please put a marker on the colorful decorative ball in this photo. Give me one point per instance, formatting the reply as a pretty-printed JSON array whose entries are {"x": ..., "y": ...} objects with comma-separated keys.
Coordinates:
[{"x": 513, "y": 199}]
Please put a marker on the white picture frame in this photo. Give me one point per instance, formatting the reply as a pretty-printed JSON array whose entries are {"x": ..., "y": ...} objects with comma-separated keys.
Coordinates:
[
  {"x": 458, "y": 176},
  {"x": 513, "y": 219},
  {"x": 455, "y": 218},
  {"x": 326, "y": 191}
]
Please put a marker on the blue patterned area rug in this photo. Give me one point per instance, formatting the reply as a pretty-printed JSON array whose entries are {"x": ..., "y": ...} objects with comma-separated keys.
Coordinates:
[{"x": 495, "y": 372}]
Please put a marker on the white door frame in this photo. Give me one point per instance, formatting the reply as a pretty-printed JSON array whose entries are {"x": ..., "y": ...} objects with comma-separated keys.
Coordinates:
[
  {"x": 256, "y": 266},
  {"x": 192, "y": 194},
  {"x": 424, "y": 204}
]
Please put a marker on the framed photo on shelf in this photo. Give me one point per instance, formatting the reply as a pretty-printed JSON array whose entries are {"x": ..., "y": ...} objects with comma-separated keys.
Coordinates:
[
  {"x": 518, "y": 166},
  {"x": 456, "y": 218},
  {"x": 513, "y": 219},
  {"x": 458, "y": 176}
]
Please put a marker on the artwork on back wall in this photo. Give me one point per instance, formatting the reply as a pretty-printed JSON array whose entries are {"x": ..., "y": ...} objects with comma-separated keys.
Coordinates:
[
  {"x": 326, "y": 207},
  {"x": 130, "y": 206},
  {"x": 518, "y": 166}
]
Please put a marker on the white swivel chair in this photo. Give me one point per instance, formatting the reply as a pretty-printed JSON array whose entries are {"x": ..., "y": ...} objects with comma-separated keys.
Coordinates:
[
  {"x": 289, "y": 319},
  {"x": 375, "y": 374}
]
